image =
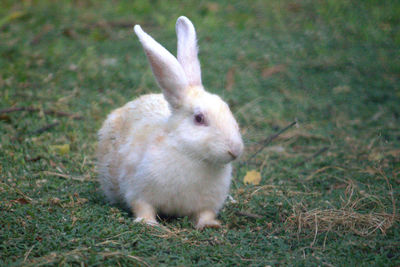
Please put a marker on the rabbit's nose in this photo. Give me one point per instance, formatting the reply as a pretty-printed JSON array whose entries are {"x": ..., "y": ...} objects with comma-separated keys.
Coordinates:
[{"x": 235, "y": 150}]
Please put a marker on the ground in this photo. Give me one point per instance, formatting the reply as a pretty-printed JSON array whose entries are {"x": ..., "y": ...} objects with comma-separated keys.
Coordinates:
[{"x": 329, "y": 187}]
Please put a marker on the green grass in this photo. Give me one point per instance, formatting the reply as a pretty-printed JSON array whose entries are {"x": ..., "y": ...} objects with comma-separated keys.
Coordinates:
[{"x": 331, "y": 65}]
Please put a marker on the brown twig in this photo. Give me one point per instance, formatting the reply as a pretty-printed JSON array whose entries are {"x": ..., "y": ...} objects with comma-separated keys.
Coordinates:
[
  {"x": 17, "y": 190},
  {"x": 65, "y": 176},
  {"x": 269, "y": 139},
  {"x": 248, "y": 214},
  {"x": 34, "y": 159},
  {"x": 45, "y": 128},
  {"x": 9, "y": 110},
  {"x": 316, "y": 154},
  {"x": 48, "y": 112},
  {"x": 63, "y": 114}
]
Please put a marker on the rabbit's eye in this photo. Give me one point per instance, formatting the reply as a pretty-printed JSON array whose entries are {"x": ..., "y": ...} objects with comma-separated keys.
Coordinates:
[{"x": 199, "y": 119}]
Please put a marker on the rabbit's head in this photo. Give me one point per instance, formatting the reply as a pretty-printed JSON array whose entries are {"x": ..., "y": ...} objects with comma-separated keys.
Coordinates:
[{"x": 201, "y": 123}]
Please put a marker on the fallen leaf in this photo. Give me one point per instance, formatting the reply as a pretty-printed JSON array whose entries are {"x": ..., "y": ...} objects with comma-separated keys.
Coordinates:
[
  {"x": 5, "y": 117},
  {"x": 267, "y": 72},
  {"x": 230, "y": 79},
  {"x": 21, "y": 200},
  {"x": 375, "y": 156},
  {"x": 70, "y": 33},
  {"x": 252, "y": 177},
  {"x": 54, "y": 201},
  {"x": 61, "y": 149}
]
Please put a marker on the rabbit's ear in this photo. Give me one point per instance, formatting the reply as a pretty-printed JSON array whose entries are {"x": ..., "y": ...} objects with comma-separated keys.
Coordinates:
[
  {"x": 187, "y": 50},
  {"x": 166, "y": 68}
]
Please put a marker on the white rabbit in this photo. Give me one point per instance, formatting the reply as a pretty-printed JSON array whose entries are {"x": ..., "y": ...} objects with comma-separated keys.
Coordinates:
[{"x": 170, "y": 153}]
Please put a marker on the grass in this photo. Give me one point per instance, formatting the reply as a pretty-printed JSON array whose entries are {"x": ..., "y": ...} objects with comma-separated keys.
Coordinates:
[{"x": 333, "y": 66}]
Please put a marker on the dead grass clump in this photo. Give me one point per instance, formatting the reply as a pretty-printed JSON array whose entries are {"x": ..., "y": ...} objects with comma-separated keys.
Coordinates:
[
  {"x": 76, "y": 256},
  {"x": 361, "y": 213},
  {"x": 353, "y": 216},
  {"x": 343, "y": 220}
]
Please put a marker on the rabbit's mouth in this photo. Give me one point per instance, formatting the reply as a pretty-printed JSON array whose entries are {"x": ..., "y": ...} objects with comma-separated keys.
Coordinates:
[
  {"x": 221, "y": 160},
  {"x": 233, "y": 155}
]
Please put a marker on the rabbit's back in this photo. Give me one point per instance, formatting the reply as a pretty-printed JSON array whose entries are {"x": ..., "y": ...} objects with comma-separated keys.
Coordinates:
[{"x": 126, "y": 129}]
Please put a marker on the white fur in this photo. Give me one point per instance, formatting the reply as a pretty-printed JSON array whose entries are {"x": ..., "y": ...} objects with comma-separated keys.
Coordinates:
[
  {"x": 187, "y": 50},
  {"x": 152, "y": 151},
  {"x": 166, "y": 68}
]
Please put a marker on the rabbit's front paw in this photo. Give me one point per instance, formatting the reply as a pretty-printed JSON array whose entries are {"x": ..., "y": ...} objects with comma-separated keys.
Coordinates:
[
  {"x": 144, "y": 212},
  {"x": 206, "y": 219}
]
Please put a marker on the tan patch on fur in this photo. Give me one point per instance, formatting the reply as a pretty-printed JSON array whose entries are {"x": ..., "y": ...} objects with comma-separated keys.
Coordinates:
[
  {"x": 206, "y": 219},
  {"x": 194, "y": 91},
  {"x": 141, "y": 136},
  {"x": 128, "y": 129},
  {"x": 159, "y": 139},
  {"x": 143, "y": 210},
  {"x": 114, "y": 168}
]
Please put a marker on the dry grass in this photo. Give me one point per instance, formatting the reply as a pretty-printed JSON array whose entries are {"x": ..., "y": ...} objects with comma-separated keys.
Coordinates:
[
  {"x": 345, "y": 220},
  {"x": 349, "y": 217},
  {"x": 78, "y": 255}
]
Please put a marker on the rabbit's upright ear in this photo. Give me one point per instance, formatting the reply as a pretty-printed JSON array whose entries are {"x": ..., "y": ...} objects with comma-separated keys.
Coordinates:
[
  {"x": 166, "y": 68},
  {"x": 187, "y": 50}
]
